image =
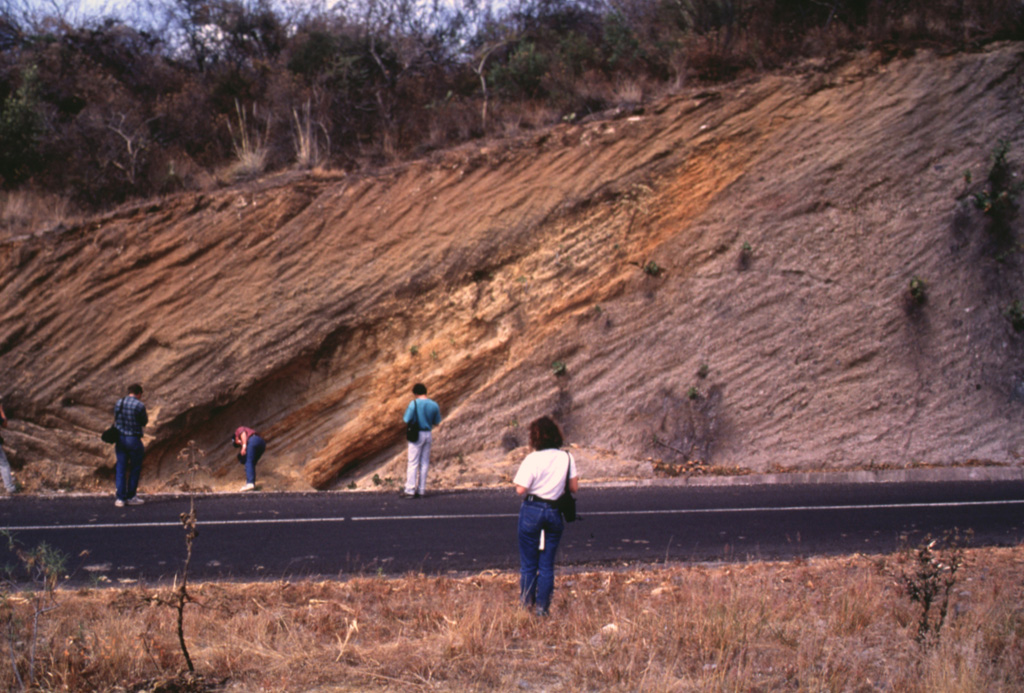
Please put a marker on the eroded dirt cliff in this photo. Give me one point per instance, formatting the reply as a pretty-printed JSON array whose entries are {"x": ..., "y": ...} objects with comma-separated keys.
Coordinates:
[{"x": 723, "y": 275}]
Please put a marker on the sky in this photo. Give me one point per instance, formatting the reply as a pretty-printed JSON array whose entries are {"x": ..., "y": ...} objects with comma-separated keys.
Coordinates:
[
  {"x": 73, "y": 11},
  {"x": 76, "y": 12}
]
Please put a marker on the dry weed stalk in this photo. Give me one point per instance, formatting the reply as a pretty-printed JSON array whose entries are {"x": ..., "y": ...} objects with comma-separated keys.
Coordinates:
[
  {"x": 937, "y": 564},
  {"x": 43, "y": 566},
  {"x": 250, "y": 144},
  {"x": 307, "y": 143},
  {"x": 191, "y": 456},
  {"x": 27, "y": 211}
]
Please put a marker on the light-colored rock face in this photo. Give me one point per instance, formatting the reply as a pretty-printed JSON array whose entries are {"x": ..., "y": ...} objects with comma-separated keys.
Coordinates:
[{"x": 787, "y": 216}]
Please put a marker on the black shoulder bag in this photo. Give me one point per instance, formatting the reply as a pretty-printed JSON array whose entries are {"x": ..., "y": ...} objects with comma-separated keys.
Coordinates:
[
  {"x": 110, "y": 435},
  {"x": 566, "y": 503},
  {"x": 412, "y": 429}
]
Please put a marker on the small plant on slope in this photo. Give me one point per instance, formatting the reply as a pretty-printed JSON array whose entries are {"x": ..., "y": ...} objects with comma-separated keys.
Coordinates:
[
  {"x": 653, "y": 269},
  {"x": 1015, "y": 314},
  {"x": 997, "y": 200},
  {"x": 917, "y": 288}
]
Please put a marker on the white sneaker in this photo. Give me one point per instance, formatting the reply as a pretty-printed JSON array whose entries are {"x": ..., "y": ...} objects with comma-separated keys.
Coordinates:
[
  {"x": 135, "y": 500},
  {"x": 248, "y": 487},
  {"x": 119, "y": 503}
]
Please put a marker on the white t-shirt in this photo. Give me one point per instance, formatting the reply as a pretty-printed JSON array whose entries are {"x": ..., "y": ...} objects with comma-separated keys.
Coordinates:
[{"x": 543, "y": 473}]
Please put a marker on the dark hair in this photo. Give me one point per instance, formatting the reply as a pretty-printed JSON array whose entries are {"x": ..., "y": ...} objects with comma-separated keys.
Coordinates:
[
  {"x": 135, "y": 389},
  {"x": 544, "y": 434},
  {"x": 419, "y": 389}
]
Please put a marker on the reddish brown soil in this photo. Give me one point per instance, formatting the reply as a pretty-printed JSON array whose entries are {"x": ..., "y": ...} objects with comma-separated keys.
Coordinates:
[{"x": 787, "y": 216}]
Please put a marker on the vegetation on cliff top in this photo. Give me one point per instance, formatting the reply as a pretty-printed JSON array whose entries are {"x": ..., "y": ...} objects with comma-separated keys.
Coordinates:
[{"x": 188, "y": 94}]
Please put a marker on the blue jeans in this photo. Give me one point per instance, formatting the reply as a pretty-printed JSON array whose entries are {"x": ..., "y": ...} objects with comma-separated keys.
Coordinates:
[
  {"x": 536, "y": 567},
  {"x": 129, "y": 451},
  {"x": 254, "y": 449}
]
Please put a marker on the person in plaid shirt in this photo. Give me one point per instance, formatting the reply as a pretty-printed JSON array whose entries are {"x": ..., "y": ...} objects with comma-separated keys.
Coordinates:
[{"x": 130, "y": 418}]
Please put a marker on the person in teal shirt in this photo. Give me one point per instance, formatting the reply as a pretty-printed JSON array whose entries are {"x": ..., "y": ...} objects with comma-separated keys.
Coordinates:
[
  {"x": 5, "y": 466},
  {"x": 428, "y": 414}
]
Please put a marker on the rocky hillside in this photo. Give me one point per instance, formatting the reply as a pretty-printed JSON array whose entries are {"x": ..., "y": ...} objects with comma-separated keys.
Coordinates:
[{"x": 716, "y": 280}]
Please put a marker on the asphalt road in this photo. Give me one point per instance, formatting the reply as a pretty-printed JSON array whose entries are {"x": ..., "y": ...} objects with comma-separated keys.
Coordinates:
[{"x": 327, "y": 535}]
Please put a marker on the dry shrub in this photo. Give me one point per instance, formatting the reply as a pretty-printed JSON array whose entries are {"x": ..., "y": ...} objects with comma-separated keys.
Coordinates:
[
  {"x": 828, "y": 42},
  {"x": 714, "y": 57},
  {"x": 594, "y": 92},
  {"x": 629, "y": 91},
  {"x": 450, "y": 123},
  {"x": 951, "y": 22},
  {"x": 823, "y": 624},
  {"x": 27, "y": 211},
  {"x": 309, "y": 137},
  {"x": 250, "y": 142},
  {"x": 527, "y": 115}
]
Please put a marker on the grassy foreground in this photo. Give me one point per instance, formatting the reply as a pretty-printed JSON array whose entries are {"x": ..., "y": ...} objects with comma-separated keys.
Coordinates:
[{"x": 829, "y": 624}]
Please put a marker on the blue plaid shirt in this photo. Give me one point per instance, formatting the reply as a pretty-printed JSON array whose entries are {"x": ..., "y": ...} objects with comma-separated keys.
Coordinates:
[{"x": 130, "y": 416}]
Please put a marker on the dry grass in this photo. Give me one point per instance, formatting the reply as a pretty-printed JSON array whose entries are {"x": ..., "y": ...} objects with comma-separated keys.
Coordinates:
[
  {"x": 250, "y": 144},
  {"x": 25, "y": 211},
  {"x": 839, "y": 624},
  {"x": 309, "y": 137}
]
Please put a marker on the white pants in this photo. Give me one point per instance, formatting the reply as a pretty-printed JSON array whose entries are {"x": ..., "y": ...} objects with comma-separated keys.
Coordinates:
[
  {"x": 5, "y": 472},
  {"x": 419, "y": 460}
]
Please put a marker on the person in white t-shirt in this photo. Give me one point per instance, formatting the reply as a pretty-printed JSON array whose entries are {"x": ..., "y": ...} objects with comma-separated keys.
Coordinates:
[{"x": 541, "y": 479}]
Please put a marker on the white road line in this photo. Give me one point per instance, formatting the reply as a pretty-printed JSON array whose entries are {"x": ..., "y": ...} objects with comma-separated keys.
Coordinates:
[
  {"x": 874, "y": 506},
  {"x": 389, "y": 518},
  {"x": 484, "y": 516},
  {"x": 201, "y": 523},
  {"x": 703, "y": 511}
]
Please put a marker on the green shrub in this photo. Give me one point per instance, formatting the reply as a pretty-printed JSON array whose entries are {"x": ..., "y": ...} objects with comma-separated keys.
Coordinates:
[
  {"x": 936, "y": 564},
  {"x": 917, "y": 288},
  {"x": 653, "y": 269},
  {"x": 746, "y": 255},
  {"x": 1015, "y": 314},
  {"x": 523, "y": 74},
  {"x": 621, "y": 46},
  {"x": 34, "y": 581},
  {"x": 998, "y": 199},
  {"x": 21, "y": 127}
]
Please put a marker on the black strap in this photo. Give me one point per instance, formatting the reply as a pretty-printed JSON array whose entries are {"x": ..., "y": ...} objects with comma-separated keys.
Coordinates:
[{"x": 568, "y": 471}]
